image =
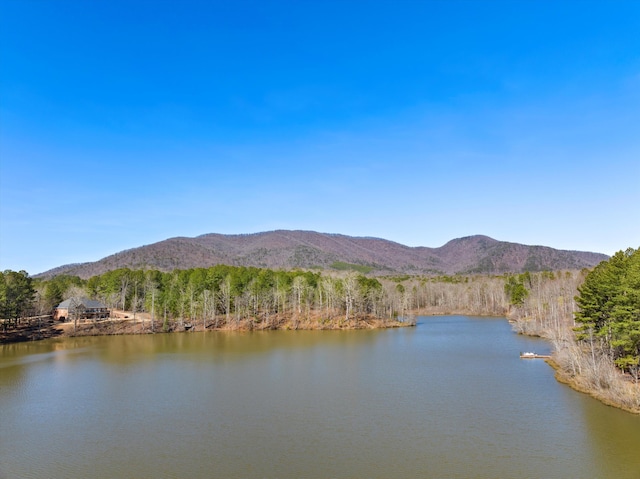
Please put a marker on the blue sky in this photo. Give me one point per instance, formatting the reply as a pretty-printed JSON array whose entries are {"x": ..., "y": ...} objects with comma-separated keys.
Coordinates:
[{"x": 126, "y": 123}]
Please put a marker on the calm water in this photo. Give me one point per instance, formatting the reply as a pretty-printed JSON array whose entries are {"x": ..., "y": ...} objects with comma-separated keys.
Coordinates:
[{"x": 447, "y": 399}]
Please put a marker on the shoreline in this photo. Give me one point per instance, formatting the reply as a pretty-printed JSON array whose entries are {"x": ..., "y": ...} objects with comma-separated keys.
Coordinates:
[
  {"x": 118, "y": 327},
  {"x": 575, "y": 384},
  {"x": 619, "y": 384}
]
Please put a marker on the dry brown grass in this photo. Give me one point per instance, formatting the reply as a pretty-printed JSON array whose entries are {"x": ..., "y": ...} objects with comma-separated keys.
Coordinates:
[{"x": 599, "y": 379}]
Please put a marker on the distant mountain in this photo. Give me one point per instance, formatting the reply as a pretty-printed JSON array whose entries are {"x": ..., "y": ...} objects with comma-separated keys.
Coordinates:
[{"x": 307, "y": 249}]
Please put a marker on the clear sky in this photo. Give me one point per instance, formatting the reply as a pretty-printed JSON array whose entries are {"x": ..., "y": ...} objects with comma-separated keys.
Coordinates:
[{"x": 123, "y": 123}]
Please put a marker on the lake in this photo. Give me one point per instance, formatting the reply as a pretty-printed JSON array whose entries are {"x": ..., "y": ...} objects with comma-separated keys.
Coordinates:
[{"x": 449, "y": 398}]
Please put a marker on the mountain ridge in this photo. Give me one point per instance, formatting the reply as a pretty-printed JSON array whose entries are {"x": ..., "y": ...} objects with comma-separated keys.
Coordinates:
[{"x": 289, "y": 249}]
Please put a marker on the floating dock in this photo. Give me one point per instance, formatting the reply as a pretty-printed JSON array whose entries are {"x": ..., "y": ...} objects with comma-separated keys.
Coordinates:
[{"x": 534, "y": 356}]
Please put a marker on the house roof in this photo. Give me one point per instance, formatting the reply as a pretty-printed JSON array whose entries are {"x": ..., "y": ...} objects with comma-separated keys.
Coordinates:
[{"x": 86, "y": 302}]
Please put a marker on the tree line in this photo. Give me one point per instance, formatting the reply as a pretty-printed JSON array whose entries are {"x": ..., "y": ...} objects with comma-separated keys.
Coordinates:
[
  {"x": 609, "y": 314},
  {"x": 221, "y": 294},
  {"x": 600, "y": 307},
  {"x": 17, "y": 295}
]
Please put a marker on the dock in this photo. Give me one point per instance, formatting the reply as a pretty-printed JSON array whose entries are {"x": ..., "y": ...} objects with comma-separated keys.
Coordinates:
[{"x": 534, "y": 356}]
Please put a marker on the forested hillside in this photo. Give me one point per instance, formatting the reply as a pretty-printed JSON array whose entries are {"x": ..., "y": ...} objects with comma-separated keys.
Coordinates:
[
  {"x": 319, "y": 251},
  {"x": 221, "y": 293}
]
